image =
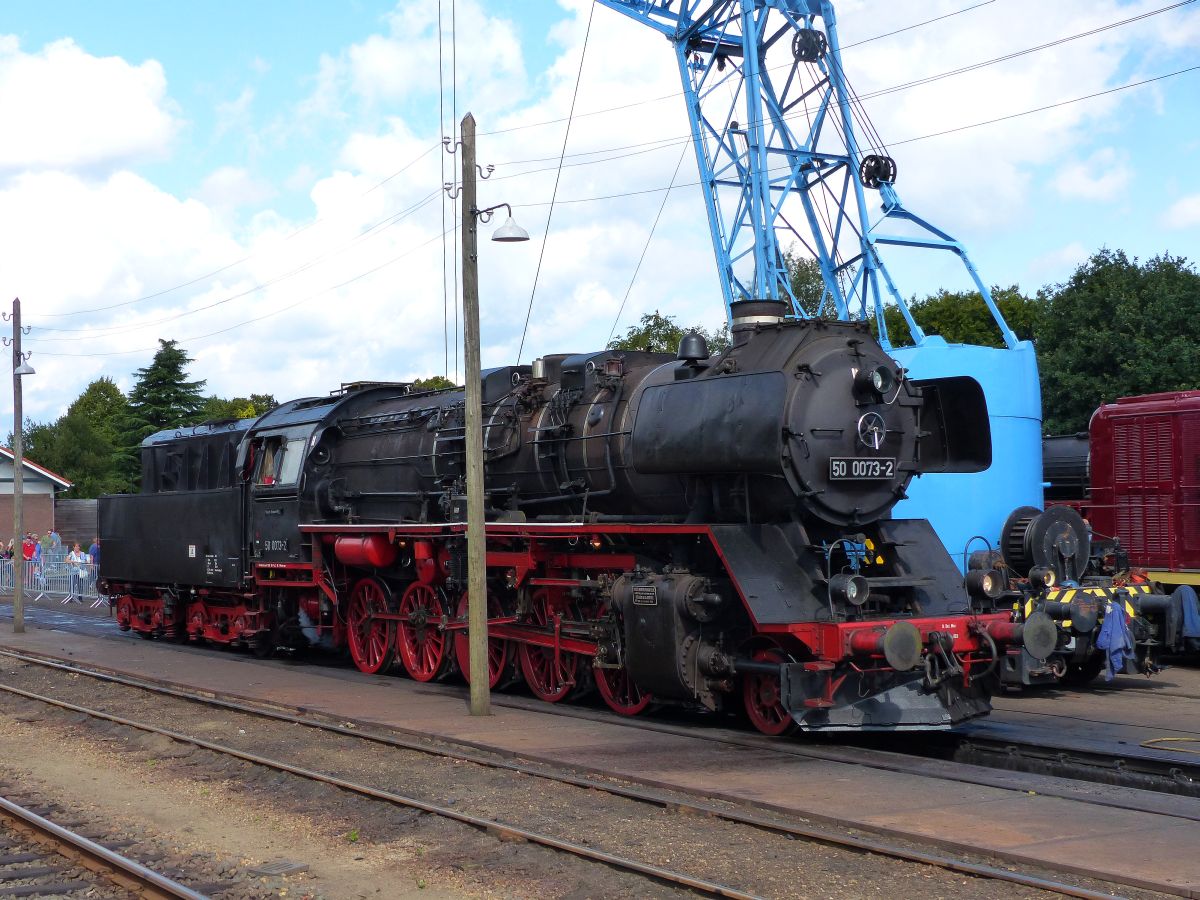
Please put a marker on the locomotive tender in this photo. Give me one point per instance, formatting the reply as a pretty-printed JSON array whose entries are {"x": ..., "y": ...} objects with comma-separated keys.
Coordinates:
[{"x": 701, "y": 531}]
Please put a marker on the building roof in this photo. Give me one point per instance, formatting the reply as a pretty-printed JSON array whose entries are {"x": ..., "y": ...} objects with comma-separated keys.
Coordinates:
[{"x": 40, "y": 470}]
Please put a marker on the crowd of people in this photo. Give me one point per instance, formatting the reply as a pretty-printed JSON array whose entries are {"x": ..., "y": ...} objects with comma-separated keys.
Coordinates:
[{"x": 47, "y": 557}]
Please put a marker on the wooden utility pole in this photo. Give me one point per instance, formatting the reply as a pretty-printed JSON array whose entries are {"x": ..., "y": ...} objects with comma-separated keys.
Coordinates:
[
  {"x": 477, "y": 629},
  {"x": 18, "y": 560}
]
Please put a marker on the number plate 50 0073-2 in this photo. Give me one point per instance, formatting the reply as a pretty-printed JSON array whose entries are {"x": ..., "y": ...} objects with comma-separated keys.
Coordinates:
[{"x": 862, "y": 468}]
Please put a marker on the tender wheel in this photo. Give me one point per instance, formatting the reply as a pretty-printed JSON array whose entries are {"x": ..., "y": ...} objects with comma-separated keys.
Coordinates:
[
  {"x": 549, "y": 679},
  {"x": 617, "y": 689},
  {"x": 124, "y": 613},
  {"x": 421, "y": 638},
  {"x": 762, "y": 696},
  {"x": 372, "y": 641},
  {"x": 498, "y": 650},
  {"x": 195, "y": 622}
]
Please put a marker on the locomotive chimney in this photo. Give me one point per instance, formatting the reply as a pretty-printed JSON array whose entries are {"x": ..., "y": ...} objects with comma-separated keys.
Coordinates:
[
  {"x": 757, "y": 312},
  {"x": 749, "y": 314}
]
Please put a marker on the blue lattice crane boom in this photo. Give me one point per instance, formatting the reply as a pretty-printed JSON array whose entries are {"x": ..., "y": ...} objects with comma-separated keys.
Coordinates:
[
  {"x": 775, "y": 125},
  {"x": 787, "y": 156}
]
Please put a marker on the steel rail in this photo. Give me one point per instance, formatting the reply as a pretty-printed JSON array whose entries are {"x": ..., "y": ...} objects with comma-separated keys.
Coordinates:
[
  {"x": 850, "y": 756},
  {"x": 126, "y": 872},
  {"x": 817, "y": 835},
  {"x": 491, "y": 826},
  {"x": 420, "y": 742}
]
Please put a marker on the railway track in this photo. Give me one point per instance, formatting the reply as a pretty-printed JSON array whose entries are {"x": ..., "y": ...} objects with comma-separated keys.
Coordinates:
[
  {"x": 758, "y": 821},
  {"x": 40, "y": 857}
]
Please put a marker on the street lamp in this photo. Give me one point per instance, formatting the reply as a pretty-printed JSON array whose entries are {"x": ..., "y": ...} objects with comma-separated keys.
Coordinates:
[
  {"x": 476, "y": 536},
  {"x": 21, "y": 367}
]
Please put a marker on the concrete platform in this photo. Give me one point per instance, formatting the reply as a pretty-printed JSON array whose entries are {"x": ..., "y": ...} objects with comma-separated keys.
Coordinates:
[{"x": 1134, "y": 846}]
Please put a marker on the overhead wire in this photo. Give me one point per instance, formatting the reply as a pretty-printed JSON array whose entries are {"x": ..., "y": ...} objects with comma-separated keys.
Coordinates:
[
  {"x": 677, "y": 94},
  {"x": 870, "y": 95},
  {"x": 662, "y": 143},
  {"x": 962, "y": 70},
  {"x": 558, "y": 175},
  {"x": 222, "y": 269},
  {"x": 454, "y": 143},
  {"x": 623, "y": 194},
  {"x": 116, "y": 330},
  {"x": 887, "y": 34},
  {"x": 445, "y": 198},
  {"x": 669, "y": 187},
  {"x": 1119, "y": 88},
  {"x": 272, "y": 313},
  {"x": 645, "y": 248},
  {"x": 1029, "y": 112}
]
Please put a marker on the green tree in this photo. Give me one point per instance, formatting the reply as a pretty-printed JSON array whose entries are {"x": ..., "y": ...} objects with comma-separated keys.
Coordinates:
[
  {"x": 77, "y": 448},
  {"x": 433, "y": 383},
  {"x": 961, "y": 317},
  {"x": 1117, "y": 328},
  {"x": 217, "y": 409},
  {"x": 162, "y": 397},
  {"x": 808, "y": 285},
  {"x": 87, "y": 457},
  {"x": 104, "y": 407},
  {"x": 657, "y": 333},
  {"x": 39, "y": 442}
]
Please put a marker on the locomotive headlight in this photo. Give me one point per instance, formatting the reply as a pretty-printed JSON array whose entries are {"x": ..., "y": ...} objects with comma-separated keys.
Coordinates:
[
  {"x": 984, "y": 585},
  {"x": 1042, "y": 576},
  {"x": 874, "y": 384},
  {"x": 849, "y": 589}
]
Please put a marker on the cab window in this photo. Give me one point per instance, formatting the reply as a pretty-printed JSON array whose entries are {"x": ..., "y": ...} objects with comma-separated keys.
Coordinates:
[
  {"x": 268, "y": 461},
  {"x": 293, "y": 456},
  {"x": 279, "y": 461}
]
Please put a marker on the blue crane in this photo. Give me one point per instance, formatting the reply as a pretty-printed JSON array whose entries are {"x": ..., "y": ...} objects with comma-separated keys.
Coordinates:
[{"x": 776, "y": 127}]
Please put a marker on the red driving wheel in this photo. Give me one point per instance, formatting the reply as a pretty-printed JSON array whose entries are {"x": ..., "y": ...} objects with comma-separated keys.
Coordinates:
[
  {"x": 372, "y": 640},
  {"x": 550, "y": 679},
  {"x": 617, "y": 689},
  {"x": 763, "y": 697},
  {"x": 498, "y": 649},
  {"x": 421, "y": 638}
]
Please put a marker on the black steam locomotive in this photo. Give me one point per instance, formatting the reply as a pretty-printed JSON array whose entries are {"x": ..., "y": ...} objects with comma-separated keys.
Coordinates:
[{"x": 706, "y": 531}]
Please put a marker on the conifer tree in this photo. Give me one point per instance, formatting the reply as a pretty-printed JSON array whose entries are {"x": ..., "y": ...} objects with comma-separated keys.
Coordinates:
[{"x": 162, "y": 397}]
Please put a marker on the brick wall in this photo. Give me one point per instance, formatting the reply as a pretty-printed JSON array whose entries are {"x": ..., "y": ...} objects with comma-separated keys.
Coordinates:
[{"x": 37, "y": 514}]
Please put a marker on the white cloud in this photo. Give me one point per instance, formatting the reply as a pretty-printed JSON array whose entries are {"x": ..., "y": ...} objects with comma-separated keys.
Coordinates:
[
  {"x": 234, "y": 113},
  {"x": 1184, "y": 213},
  {"x": 1056, "y": 264},
  {"x": 354, "y": 288},
  {"x": 1102, "y": 176},
  {"x": 65, "y": 109},
  {"x": 231, "y": 188}
]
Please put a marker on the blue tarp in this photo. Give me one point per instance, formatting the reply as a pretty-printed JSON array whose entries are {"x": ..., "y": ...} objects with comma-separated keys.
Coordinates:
[
  {"x": 1191, "y": 614},
  {"x": 1115, "y": 639}
]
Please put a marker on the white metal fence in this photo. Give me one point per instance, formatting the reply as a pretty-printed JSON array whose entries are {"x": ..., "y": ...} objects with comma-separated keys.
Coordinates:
[{"x": 51, "y": 576}]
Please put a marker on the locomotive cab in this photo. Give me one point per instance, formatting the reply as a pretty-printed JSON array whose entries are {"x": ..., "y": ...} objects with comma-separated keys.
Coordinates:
[{"x": 272, "y": 465}]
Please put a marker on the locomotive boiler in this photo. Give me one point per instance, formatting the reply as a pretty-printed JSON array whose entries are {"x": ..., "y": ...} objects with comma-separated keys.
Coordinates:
[{"x": 703, "y": 530}]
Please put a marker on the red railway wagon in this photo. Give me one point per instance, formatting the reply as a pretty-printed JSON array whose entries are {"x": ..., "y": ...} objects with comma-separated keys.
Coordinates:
[{"x": 1145, "y": 481}]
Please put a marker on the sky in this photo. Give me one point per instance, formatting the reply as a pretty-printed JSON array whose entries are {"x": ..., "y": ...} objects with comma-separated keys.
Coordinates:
[{"x": 263, "y": 182}]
